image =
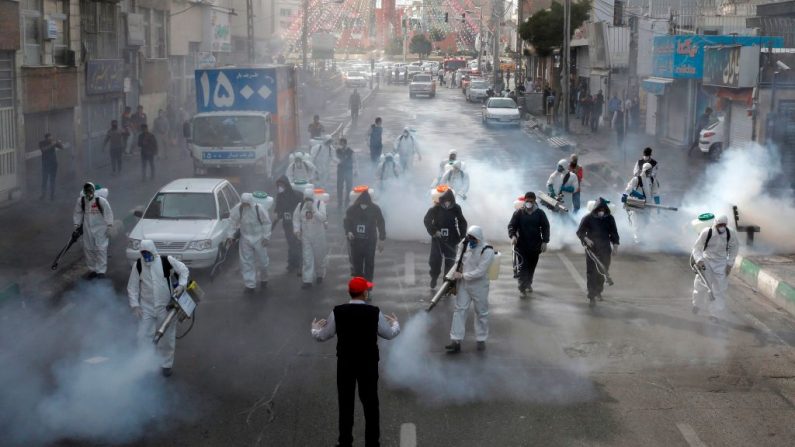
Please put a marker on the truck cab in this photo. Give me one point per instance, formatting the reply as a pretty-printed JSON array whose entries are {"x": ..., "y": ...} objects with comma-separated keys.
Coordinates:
[{"x": 232, "y": 140}]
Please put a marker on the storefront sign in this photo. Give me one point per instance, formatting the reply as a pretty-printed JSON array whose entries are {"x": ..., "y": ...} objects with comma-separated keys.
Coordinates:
[
  {"x": 104, "y": 76},
  {"x": 731, "y": 66},
  {"x": 217, "y": 33},
  {"x": 682, "y": 57},
  {"x": 135, "y": 29}
]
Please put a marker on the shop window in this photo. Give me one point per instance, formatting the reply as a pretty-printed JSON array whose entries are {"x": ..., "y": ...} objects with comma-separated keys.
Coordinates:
[{"x": 285, "y": 12}]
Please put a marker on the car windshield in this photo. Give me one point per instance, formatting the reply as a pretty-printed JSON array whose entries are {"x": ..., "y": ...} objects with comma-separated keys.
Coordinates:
[
  {"x": 229, "y": 130},
  {"x": 352, "y": 74},
  {"x": 501, "y": 103},
  {"x": 182, "y": 205},
  {"x": 480, "y": 84},
  {"x": 422, "y": 78}
]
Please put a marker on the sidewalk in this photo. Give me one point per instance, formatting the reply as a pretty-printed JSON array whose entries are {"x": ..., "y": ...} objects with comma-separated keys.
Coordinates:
[{"x": 771, "y": 276}]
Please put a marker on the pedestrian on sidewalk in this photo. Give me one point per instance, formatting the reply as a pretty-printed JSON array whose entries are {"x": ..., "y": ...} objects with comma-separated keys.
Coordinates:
[
  {"x": 254, "y": 224},
  {"x": 346, "y": 172},
  {"x": 287, "y": 199},
  {"x": 114, "y": 140},
  {"x": 355, "y": 102},
  {"x": 138, "y": 119},
  {"x": 599, "y": 234},
  {"x": 366, "y": 231},
  {"x": 127, "y": 129},
  {"x": 315, "y": 128},
  {"x": 149, "y": 292},
  {"x": 148, "y": 144},
  {"x": 576, "y": 169},
  {"x": 551, "y": 107},
  {"x": 586, "y": 104},
  {"x": 598, "y": 102},
  {"x": 309, "y": 225},
  {"x": 94, "y": 215},
  {"x": 357, "y": 326},
  {"x": 162, "y": 133},
  {"x": 714, "y": 253},
  {"x": 529, "y": 233},
  {"x": 613, "y": 106},
  {"x": 49, "y": 164},
  {"x": 446, "y": 224},
  {"x": 619, "y": 126},
  {"x": 375, "y": 135},
  {"x": 472, "y": 286}
]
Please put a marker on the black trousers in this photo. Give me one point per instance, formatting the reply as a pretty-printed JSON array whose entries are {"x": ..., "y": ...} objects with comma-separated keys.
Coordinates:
[
  {"x": 441, "y": 250},
  {"x": 48, "y": 179},
  {"x": 354, "y": 115},
  {"x": 294, "y": 251},
  {"x": 344, "y": 186},
  {"x": 349, "y": 374},
  {"x": 363, "y": 258},
  {"x": 527, "y": 268},
  {"x": 375, "y": 153},
  {"x": 147, "y": 161},
  {"x": 115, "y": 159},
  {"x": 596, "y": 282}
]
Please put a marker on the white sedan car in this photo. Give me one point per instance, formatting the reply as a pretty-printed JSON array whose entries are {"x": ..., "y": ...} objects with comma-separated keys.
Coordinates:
[
  {"x": 355, "y": 79},
  {"x": 501, "y": 111},
  {"x": 478, "y": 90},
  {"x": 711, "y": 139},
  {"x": 187, "y": 219}
]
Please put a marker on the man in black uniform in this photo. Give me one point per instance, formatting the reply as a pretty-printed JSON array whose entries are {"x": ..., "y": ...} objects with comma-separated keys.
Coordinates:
[
  {"x": 286, "y": 201},
  {"x": 365, "y": 229},
  {"x": 529, "y": 233},
  {"x": 49, "y": 164},
  {"x": 357, "y": 326},
  {"x": 346, "y": 172},
  {"x": 447, "y": 226},
  {"x": 597, "y": 232}
]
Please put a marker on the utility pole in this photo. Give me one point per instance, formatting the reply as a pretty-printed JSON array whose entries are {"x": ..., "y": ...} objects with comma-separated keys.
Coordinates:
[
  {"x": 519, "y": 44},
  {"x": 482, "y": 38},
  {"x": 304, "y": 34},
  {"x": 250, "y": 29},
  {"x": 496, "y": 16},
  {"x": 566, "y": 60}
]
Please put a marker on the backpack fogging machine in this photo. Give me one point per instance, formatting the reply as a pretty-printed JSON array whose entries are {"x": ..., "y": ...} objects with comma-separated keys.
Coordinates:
[
  {"x": 639, "y": 204},
  {"x": 72, "y": 239},
  {"x": 700, "y": 273},
  {"x": 182, "y": 307},
  {"x": 552, "y": 203}
]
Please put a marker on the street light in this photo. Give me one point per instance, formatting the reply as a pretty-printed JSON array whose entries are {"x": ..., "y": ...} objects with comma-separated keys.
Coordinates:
[{"x": 305, "y": 29}]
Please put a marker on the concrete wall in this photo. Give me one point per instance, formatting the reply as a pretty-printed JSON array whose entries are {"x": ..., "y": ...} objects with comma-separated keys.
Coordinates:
[
  {"x": 185, "y": 27},
  {"x": 9, "y": 25}
]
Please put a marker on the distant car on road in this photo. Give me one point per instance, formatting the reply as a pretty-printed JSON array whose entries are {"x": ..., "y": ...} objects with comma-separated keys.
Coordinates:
[
  {"x": 501, "y": 111},
  {"x": 187, "y": 219},
  {"x": 477, "y": 90},
  {"x": 355, "y": 79},
  {"x": 422, "y": 84},
  {"x": 712, "y": 139}
]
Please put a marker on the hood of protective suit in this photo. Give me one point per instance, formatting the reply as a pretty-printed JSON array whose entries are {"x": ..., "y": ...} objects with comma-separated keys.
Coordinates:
[
  {"x": 149, "y": 245},
  {"x": 646, "y": 167},
  {"x": 722, "y": 219},
  {"x": 284, "y": 181},
  {"x": 364, "y": 199},
  {"x": 447, "y": 195},
  {"x": 476, "y": 232},
  {"x": 247, "y": 198},
  {"x": 309, "y": 194}
]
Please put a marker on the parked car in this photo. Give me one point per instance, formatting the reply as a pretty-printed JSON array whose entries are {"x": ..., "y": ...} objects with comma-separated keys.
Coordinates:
[
  {"x": 501, "y": 111},
  {"x": 478, "y": 90},
  {"x": 187, "y": 219},
  {"x": 422, "y": 84},
  {"x": 355, "y": 79},
  {"x": 413, "y": 70},
  {"x": 712, "y": 139}
]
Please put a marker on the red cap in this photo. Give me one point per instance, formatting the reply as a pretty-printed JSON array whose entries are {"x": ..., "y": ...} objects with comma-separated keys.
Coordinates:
[{"x": 359, "y": 285}]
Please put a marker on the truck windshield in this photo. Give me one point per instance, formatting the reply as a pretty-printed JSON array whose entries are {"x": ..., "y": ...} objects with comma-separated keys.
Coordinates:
[
  {"x": 187, "y": 205},
  {"x": 229, "y": 130}
]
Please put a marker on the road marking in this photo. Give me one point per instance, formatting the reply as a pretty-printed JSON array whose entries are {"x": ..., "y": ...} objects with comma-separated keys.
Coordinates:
[
  {"x": 573, "y": 271},
  {"x": 408, "y": 435},
  {"x": 408, "y": 276},
  {"x": 690, "y": 435}
]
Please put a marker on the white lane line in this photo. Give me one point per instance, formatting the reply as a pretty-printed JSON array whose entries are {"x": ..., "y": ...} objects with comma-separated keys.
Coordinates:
[
  {"x": 408, "y": 276},
  {"x": 690, "y": 435},
  {"x": 573, "y": 272},
  {"x": 408, "y": 435}
]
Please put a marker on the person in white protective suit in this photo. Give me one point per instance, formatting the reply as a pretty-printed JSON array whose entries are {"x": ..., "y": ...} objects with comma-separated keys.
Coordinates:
[
  {"x": 149, "y": 290},
  {"x": 388, "y": 170},
  {"x": 300, "y": 169},
  {"x": 254, "y": 224},
  {"x": 643, "y": 187},
  {"x": 309, "y": 224},
  {"x": 94, "y": 214},
  {"x": 472, "y": 287},
  {"x": 562, "y": 181},
  {"x": 457, "y": 179},
  {"x": 446, "y": 164},
  {"x": 407, "y": 148},
  {"x": 322, "y": 154},
  {"x": 714, "y": 253}
]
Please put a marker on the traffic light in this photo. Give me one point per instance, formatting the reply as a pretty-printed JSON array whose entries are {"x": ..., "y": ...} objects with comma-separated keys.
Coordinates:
[{"x": 445, "y": 17}]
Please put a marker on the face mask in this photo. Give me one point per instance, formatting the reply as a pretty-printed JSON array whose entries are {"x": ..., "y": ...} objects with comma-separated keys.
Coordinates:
[
  {"x": 472, "y": 243},
  {"x": 280, "y": 188},
  {"x": 647, "y": 157},
  {"x": 721, "y": 229},
  {"x": 529, "y": 205},
  {"x": 363, "y": 206},
  {"x": 446, "y": 205},
  {"x": 561, "y": 169},
  {"x": 148, "y": 256},
  {"x": 600, "y": 213}
]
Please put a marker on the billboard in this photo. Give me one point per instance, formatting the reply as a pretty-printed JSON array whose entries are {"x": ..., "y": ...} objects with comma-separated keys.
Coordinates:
[
  {"x": 104, "y": 76},
  {"x": 682, "y": 57},
  {"x": 224, "y": 89},
  {"x": 731, "y": 66}
]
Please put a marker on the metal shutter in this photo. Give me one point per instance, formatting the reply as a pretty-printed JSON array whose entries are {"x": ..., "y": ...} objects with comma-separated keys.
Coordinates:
[{"x": 741, "y": 126}]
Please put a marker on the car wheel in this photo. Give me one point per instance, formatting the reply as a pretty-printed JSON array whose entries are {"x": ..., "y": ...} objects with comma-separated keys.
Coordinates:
[{"x": 716, "y": 151}]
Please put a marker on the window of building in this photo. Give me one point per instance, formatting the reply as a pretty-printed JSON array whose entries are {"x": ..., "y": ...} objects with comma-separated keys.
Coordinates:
[
  {"x": 6, "y": 79},
  {"x": 286, "y": 12},
  {"x": 100, "y": 29},
  {"x": 31, "y": 31},
  {"x": 159, "y": 37},
  {"x": 60, "y": 45},
  {"x": 147, "y": 16}
]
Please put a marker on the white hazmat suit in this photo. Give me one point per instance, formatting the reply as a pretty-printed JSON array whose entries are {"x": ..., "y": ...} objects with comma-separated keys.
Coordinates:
[
  {"x": 309, "y": 224},
  {"x": 473, "y": 287},
  {"x": 96, "y": 217},
  {"x": 718, "y": 257},
  {"x": 457, "y": 179},
  {"x": 388, "y": 171},
  {"x": 151, "y": 292},
  {"x": 300, "y": 169},
  {"x": 562, "y": 182},
  {"x": 322, "y": 153},
  {"x": 407, "y": 147},
  {"x": 254, "y": 224}
]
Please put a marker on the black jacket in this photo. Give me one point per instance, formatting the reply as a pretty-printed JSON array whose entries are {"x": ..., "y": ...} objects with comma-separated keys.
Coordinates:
[
  {"x": 286, "y": 202},
  {"x": 532, "y": 229},
  {"x": 449, "y": 221},
  {"x": 601, "y": 230},
  {"x": 357, "y": 332},
  {"x": 365, "y": 224}
]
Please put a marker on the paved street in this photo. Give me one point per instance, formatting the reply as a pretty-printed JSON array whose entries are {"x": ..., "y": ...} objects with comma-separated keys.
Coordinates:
[{"x": 638, "y": 369}]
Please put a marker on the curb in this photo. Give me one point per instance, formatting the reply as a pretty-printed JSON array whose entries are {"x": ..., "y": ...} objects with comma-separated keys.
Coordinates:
[{"x": 770, "y": 285}]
